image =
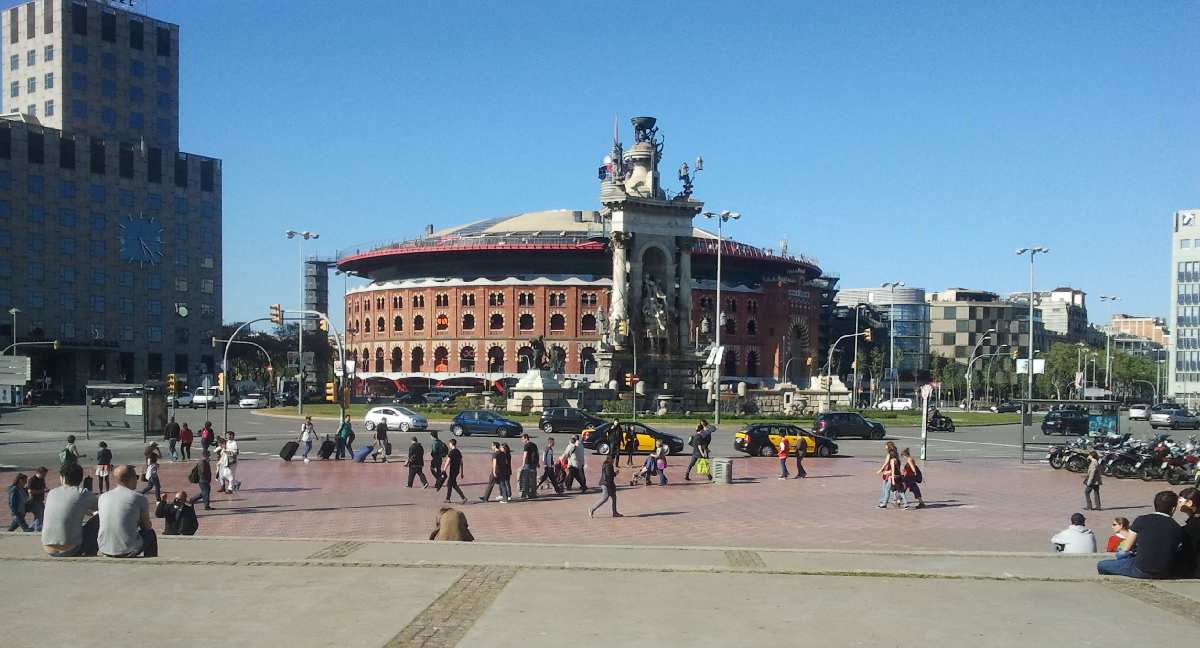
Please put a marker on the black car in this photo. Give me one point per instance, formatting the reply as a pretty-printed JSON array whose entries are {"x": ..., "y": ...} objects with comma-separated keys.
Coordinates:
[
  {"x": 836, "y": 425},
  {"x": 1006, "y": 407},
  {"x": 408, "y": 398},
  {"x": 596, "y": 438},
  {"x": 1065, "y": 421},
  {"x": 567, "y": 419},
  {"x": 762, "y": 439}
]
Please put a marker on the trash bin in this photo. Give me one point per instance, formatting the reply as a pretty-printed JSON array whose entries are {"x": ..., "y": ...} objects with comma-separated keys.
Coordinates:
[{"x": 722, "y": 471}]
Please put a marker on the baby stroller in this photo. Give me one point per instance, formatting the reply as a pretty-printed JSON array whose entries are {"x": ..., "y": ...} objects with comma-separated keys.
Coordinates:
[{"x": 649, "y": 469}]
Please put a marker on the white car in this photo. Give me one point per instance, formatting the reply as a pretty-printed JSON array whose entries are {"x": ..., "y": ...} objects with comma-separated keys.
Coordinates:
[
  {"x": 896, "y": 404},
  {"x": 253, "y": 400},
  {"x": 208, "y": 397},
  {"x": 183, "y": 399},
  {"x": 118, "y": 400},
  {"x": 1139, "y": 412},
  {"x": 396, "y": 418}
]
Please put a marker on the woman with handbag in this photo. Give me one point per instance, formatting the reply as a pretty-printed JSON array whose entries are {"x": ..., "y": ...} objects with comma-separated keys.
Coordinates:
[
  {"x": 911, "y": 474},
  {"x": 890, "y": 472}
]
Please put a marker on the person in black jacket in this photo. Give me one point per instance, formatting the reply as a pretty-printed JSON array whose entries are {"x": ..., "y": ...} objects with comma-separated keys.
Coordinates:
[
  {"x": 437, "y": 454},
  {"x": 416, "y": 463},
  {"x": 608, "y": 484},
  {"x": 204, "y": 473},
  {"x": 1189, "y": 553},
  {"x": 179, "y": 514}
]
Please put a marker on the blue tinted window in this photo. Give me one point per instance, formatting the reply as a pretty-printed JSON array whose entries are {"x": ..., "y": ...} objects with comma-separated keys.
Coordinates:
[
  {"x": 135, "y": 94},
  {"x": 5, "y": 238},
  {"x": 67, "y": 275},
  {"x": 108, "y": 116},
  {"x": 36, "y": 184},
  {"x": 136, "y": 120},
  {"x": 97, "y": 252},
  {"x": 163, "y": 129},
  {"x": 125, "y": 198},
  {"x": 5, "y": 180},
  {"x": 181, "y": 257},
  {"x": 163, "y": 74},
  {"x": 79, "y": 54},
  {"x": 37, "y": 270},
  {"x": 136, "y": 68},
  {"x": 99, "y": 222},
  {"x": 97, "y": 193},
  {"x": 181, "y": 206},
  {"x": 126, "y": 279},
  {"x": 37, "y": 214},
  {"x": 108, "y": 61},
  {"x": 153, "y": 201},
  {"x": 66, "y": 218},
  {"x": 66, "y": 245},
  {"x": 154, "y": 333},
  {"x": 5, "y": 269},
  {"x": 126, "y": 306},
  {"x": 5, "y": 209},
  {"x": 108, "y": 88},
  {"x": 79, "y": 109},
  {"x": 67, "y": 302},
  {"x": 153, "y": 307},
  {"x": 79, "y": 81},
  {"x": 37, "y": 241},
  {"x": 206, "y": 210},
  {"x": 37, "y": 299},
  {"x": 181, "y": 232},
  {"x": 154, "y": 281},
  {"x": 164, "y": 100},
  {"x": 66, "y": 189},
  {"x": 98, "y": 303}
]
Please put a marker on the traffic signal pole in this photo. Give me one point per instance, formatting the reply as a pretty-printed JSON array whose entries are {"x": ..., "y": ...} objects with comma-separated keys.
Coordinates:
[{"x": 225, "y": 368}]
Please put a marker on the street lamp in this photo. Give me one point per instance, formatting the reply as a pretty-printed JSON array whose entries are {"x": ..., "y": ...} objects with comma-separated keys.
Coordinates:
[
  {"x": 1033, "y": 252},
  {"x": 986, "y": 336},
  {"x": 721, "y": 218},
  {"x": 1108, "y": 349},
  {"x": 854, "y": 385},
  {"x": 13, "y": 311},
  {"x": 301, "y": 237},
  {"x": 895, "y": 375}
]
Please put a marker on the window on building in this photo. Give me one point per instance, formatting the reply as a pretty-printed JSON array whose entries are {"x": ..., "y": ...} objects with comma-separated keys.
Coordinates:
[
  {"x": 97, "y": 303},
  {"x": 67, "y": 302},
  {"x": 48, "y": 52},
  {"x": 418, "y": 323},
  {"x": 442, "y": 322},
  {"x": 66, "y": 189},
  {"x": 1183, "y": 243},
  {"x": 137, "y": 34},
  {"x": 181, "y": 171},
  {"x": 108, "y": 88},
  {"x": 96, "y": 163},
  {"x": 125, "y": 163},
  {"x": 730, "y": 326},
  {"x": 137, "y": 69},
  {"x": 525, "y": 321},
  {"x": 468, "y": 322},
  {"x": 181, "y": 284},
  {"x": 97, "y": 193},
  {"x": 31, "y": 57},
  {"x": 5, "y": 146},
  {"x": 31, "y": 85},
  {"x": 66, "y": 153},
  {"x": 496, "y": 322},
  {"x": 588, "y": 323},
  {"x": 31, "y": 110},
  {"x": 163, "y": 41},
  {"x": 66, "y": 218},
  {"x": 48, "y": 80},
  {"x": 154, "y": 281},
  {"x": 37, "y": 184},
  {"x": 79, "y": 54},
  {"x": 79, "y": 19},
  {"x": 125, "y": 305},
  {"x": 154, "y": 165},
  {"x": 14, "y": 89},
  {"x": 206, "y": 286},
  {"x": 48, "y": 108},
  {"x": 154, "y": 334},
  {"x": 153, "y": 307},
  {"x": 397, "y": 324},
  {"x": 207, "y": 175},
  {"x": 108, "y": 27},
  {"x": 36, "y": 147}
]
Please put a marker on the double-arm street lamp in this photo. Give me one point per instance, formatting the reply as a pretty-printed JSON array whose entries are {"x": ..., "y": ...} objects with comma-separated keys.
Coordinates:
[
  {"x": 895, "y": 375},
  {"x": 974, "y": 356},
  {"x": 301, "y": 237},
  {"x": 1032, "y": 252},
  {"x": 721, "y": 219},
  {"x": 1108, "y": 349}
]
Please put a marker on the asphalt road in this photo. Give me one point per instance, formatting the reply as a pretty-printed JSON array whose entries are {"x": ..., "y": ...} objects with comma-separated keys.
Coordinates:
[{"x": 32, "y": 437}]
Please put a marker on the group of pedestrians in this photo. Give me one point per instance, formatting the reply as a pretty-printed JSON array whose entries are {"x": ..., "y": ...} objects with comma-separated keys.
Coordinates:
[{"x": 901, "y": 475}]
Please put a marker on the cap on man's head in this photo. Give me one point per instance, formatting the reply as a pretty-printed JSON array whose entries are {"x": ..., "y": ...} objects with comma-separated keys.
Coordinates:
[{"x": 1078, "y": 519}]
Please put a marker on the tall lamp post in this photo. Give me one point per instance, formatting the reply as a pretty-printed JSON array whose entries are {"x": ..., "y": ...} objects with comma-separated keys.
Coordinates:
[
  {"x": 854, "y": 384},
  {"x": 721, "y": 218},
  {"x": 13, "y": 311},
  {"x": 301, "y": 237},
  {"x": 891, "y": 286},
  {"x": 1032, "y": 252},
  {"x": 1108, "y": 349},
  {"x": 974, "y": 356}
]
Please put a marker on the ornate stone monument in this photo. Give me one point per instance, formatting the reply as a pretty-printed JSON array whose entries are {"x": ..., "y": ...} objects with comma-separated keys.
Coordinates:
[{"x": 539, "y": 388}]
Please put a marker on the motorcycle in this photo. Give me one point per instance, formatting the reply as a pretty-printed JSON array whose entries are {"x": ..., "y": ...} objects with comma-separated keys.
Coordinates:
[{"x": 940, "y": 424}]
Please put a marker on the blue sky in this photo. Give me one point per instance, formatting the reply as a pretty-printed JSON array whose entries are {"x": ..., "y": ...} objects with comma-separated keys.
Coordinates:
[{"x": 920, "y": 142}]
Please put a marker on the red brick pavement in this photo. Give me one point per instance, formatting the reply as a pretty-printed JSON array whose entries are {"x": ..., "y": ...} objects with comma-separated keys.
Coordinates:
[{"x": 986, "y": 505}]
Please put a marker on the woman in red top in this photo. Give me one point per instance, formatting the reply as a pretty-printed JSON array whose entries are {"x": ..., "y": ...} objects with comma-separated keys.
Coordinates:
[
  {"x": 783, "y": 457},
  {"x": 1120, "y": 527},
  {"x": 910, "y": 473},
  {"x": 890, "y": 471},
  {"x": 185, "y": 441}
]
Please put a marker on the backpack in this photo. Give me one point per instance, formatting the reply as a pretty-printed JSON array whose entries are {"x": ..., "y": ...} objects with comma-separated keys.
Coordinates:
[
  {"x": 65, "y": 456},
  {"x": 194, "y": 476},
  {"x": 919, "y": 477},
  {"x": 692, "y": 440},
  {"x": 439, "y": 449}
]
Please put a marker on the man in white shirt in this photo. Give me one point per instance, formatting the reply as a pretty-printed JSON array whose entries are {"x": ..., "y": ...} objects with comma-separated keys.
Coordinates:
[
  {"x": 231, "y": 451},
  {"x": 575, "y": 464},
  {"x": 1075, "y": 539}
]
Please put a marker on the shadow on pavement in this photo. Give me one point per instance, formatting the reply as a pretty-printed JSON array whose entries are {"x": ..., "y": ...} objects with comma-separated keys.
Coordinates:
[
  {"x": 281, "y": 508},
  {"x": 658, "y": 514}
]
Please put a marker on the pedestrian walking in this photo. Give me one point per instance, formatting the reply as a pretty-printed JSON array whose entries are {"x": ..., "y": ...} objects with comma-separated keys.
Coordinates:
[
  {"x": 151, "y": 477},
  {"x": 912, "y": 477},
  {"x": 224, "y": 476},
  {"x": 493, "y": 475},
  {"x": 782, "y": 455},
  {"x": 1091, "y": 482},
  {"x": 608, "y": 486},
  {"x": 437, "y": 455},
  {"x": 171, "y": 436},
  {"x": 660, "y": 462},
  {"x": 103, "y": 467},
  {"x": 36, "y": 505},
  {"x": 381, "y": 442},
  {"x": 801, "y": 449},
  {"x": 631, "y": 444},
  {"x": 614, "y": 439},
  {"x": 344, "y": 434},
  {"x": 453, "y": 468},
  {"x": 527, "y": 479},
  {"x": 18, "y": 497},
  {"x": 573, "y": 455},
  {"x": 231, "y": 452},
  {"x": 505, "y": 476},
  {"x": 69, "y": 454},
  {"x": 416, "y": 463},
  {"x": 308, "y": 434},
  {"x": 203, "y": 473},
  {"x": 891, "y": 475},
  {"x": 699, "y": 442},
  {"x": 207, "y": 437},
  {"x": 550, "y": 468},
  {"x": 185, "y": 442}
]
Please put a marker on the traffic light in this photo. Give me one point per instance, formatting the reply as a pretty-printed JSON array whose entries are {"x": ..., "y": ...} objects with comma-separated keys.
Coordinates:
[
  {"x": 171, "y": 387},
  {"x": 324, "y": 324},
  {"x": 330, "y": 393},
  {"x": 1014, "y": 354},
  {"x": 808, "y": 361},
  {"x": 270, "y": 369},
  {"x": 623, "y": 327},
  {"x": 221, "y": 381},
  {"x": 866, "y": 335},
  {"x": 276, "y": 314},
  {"x": 628, "y": 380}
]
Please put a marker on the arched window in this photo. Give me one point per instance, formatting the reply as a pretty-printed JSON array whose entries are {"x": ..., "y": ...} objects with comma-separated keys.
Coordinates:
[
  {"x": 730, "y": 326},
  {"x": 398, "y": 324},
  {"x": 496, "y": 322},
  {"x": 558, "y": 322},
  {"x": 730, "y": 305},
  {"x": 397, "y": 301},
  {"x": 441, "y": 360},
  {"x": 588, "y": 323},
  {"x": 525, "y": 322},
  {"x": 396, "y": 366},
  {"x": 752, "y": 364},
  {"x": 587, "y": 361},
  {"x": 730, "y": 364},
  {"x": 524, "y": 359},
  {"x": 381, "y": 325},
  {"x": 367, "y": 325},
  {"x": 752, "y": 306},
  {"x": 752, "y": 327},
  {"x": 418, "y": 323},
  {"x": 495, "y": 360},
  {"x": 468, "y": 299},
  {"x": 442, "y": 322},
  {"x": 379, "y": 359},
  {"x": 441, "y": 299},
  {"x": 468, "y": 322},
  {"x": 466, "y": 359},
  {"x": 416, "y": 359}
]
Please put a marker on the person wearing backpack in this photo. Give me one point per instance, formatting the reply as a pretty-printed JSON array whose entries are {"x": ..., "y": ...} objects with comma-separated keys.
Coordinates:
[
  {"x": 201, "y": 476},
  {"x": 308, "y": 434},
  {"x": 437, "y": 455},
  {"x": 911, "y": 475},
  {"x": 69, "y": 454}
]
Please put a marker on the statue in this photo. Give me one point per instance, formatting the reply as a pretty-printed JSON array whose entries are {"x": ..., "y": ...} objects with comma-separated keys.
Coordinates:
[
  {"x": 558, "y": 360},
  {"x": 538, "y": 344},
  {"x": 602, "y": 327},
  {"x": 655, "y": 316}
]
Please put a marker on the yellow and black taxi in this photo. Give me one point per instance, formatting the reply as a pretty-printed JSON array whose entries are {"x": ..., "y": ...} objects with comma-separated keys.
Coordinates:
[
  {"x": 762, "y": 439},
  {"x": 597, "y": 438}
]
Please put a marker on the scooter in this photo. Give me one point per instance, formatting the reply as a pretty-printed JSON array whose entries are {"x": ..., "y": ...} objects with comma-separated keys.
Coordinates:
[{"x": 941, "y": 424}]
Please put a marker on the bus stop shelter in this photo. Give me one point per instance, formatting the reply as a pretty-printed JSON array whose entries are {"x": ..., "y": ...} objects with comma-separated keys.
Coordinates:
[
  {"x": 130, "y": 406},
  {"x": 1103, "y": 420}
]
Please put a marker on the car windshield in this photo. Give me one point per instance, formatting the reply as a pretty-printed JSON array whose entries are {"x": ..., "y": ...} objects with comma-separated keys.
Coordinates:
[{"x": 405, "y": 411}]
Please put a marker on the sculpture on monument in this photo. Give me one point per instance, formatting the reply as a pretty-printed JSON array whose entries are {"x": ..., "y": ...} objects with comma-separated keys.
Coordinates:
[
  {"x": 538, "y": 344},
  {"x": 602, "y": 327},
  {"x": 558, "y": 360},
  {"x": 655, "y": 317}
]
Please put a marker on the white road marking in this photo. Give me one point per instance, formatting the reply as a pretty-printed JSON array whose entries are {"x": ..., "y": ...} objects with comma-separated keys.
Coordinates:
[{"x": 936, "y": 440}]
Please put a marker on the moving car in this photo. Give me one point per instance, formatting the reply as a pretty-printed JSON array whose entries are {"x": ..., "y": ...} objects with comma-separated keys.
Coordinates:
[
  {"x": 896, "y": 404},
  {"x": 1174, "y": 419},
  {"x": 253, "y": 401},
  {"x": 567, "y": 419},
  {"x": 762, "y": 439},
  {"x": 118, "y": 400},
  {"x": 836, "y": 425},
  {"x": 182, "y": 399},
  {"x": 396, "y": 418},
  {"x": 1006, "y": 407},
  {"x": 1065, "y": 421},
  {"x": 596, "y": 438},
  {"x": 440, "y": 397},
  {"x": 1139, "y": 412},
  {"x": 208, "y": 397},
  {"x": 469, "y": 422}
]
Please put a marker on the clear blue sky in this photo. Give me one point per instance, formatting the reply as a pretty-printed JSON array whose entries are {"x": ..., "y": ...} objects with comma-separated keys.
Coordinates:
[{"x": 920, "y": 142}]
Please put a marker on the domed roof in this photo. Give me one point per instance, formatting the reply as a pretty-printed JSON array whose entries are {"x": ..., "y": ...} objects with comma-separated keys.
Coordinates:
[{"x": 548, "y": 223}]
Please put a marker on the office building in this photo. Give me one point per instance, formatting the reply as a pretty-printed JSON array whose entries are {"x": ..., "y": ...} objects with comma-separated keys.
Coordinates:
[
  {"x": 905, "y": 315},
  {"x": 1153, "y": 329},
  {"x": 1064, "y": 312},
  {"x": 1183, "y": 377},
  {"x": 960, "y": 318},
  {"x": 110, "y": 235}
]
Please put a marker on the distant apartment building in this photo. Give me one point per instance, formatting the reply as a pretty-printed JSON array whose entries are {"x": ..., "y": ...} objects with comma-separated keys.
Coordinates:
[
  {"x": 1184, "y": 342},
  {"x": 110, "y": 236},
  {"x": 905, "y": 312},
  {"x": 1153, "y": 329},
  {"x": 960, "y": 319},
  {"x": 1064, "y": 312}
]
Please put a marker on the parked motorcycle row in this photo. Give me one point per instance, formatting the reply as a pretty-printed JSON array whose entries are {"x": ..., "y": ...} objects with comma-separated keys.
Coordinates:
[{"x": 1124, "y": 457}]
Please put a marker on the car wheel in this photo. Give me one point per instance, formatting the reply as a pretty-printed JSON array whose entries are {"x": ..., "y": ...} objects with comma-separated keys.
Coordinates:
[
  {"x": 457, "y": 430},
  {"x": 405, "y": 427},
  {"x": 766, "y": 450},
  {"x": 602, "y": 449},
  {"x": 878, "y": 436},
  {"x": 824, "y": 451},
  {"x": 548, "y": 427}
]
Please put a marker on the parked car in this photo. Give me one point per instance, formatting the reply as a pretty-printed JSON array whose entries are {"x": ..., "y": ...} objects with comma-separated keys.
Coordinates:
[
  {"x": 1065, "y": 421},
  {"x": 896, "y": 404},
  {"x": 1139, "y": 412},
  {"x": 118, "y": 400},
  {"x": 253, "y": 401},
  {"x": 396, "y": 418},
  {"x": 1006, "y": 407},
  {"x": 408, "y": 398},
  {"x": 1174, "y": 419},
  {"x": 440, "y": 397},
  {"x": 469, "y": 422},
  {"x": 567, "y": 419},
  {"x": 836, "y": 425},
  {"x": 182, "y": 399},
  {"x": 763, "y": 439},
  {"x": 596, "y": 438},
  {"x": 208, "y": 397}
]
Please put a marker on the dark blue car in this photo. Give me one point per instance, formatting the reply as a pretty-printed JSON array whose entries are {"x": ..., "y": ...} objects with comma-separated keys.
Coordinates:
[{"x": 470, "y": 422}]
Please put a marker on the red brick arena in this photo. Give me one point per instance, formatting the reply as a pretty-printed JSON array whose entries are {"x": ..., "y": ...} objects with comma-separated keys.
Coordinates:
[{"x": 462, "y": 303}]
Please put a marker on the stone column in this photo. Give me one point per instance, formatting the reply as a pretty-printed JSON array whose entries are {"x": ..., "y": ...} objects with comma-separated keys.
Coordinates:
[
  {"x": 685, "y": 292},
  {"x": 618, "y": 309}
]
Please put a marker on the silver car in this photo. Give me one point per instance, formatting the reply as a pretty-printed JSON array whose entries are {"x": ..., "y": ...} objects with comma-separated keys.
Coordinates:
[
  {"x": 1139, "y": 412},
  {"x": 1174, "y": 419}
]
